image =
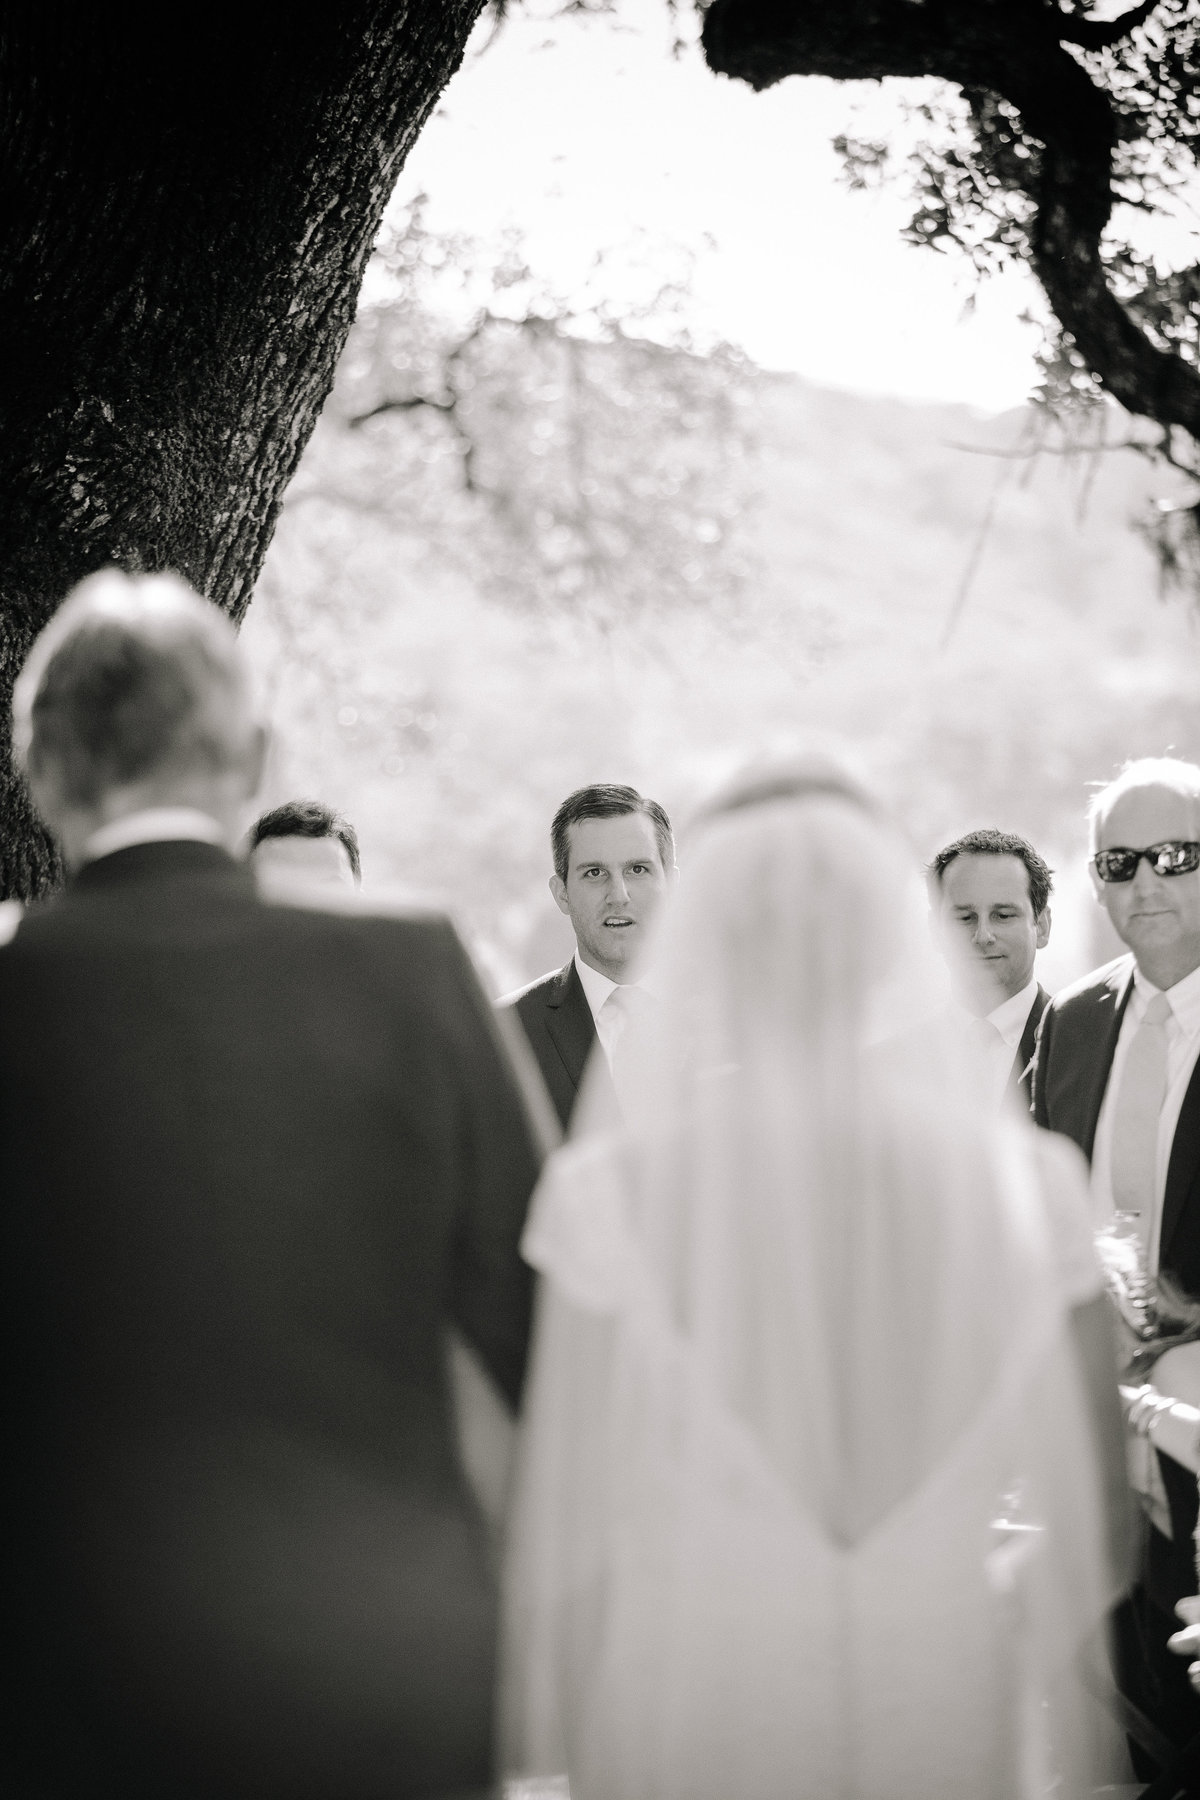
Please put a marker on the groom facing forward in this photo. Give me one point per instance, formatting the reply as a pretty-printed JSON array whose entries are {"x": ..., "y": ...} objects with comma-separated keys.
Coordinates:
[{"x": 614, "y": 861}]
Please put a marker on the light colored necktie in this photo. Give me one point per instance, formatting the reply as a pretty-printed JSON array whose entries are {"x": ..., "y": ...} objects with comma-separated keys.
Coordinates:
[
  {"x": 626, "y": 1004},
  {"x": 1138, "y": 1108},
  {"x": 1135, "y": 1119},
  {"x": 985, "y": 1041}
]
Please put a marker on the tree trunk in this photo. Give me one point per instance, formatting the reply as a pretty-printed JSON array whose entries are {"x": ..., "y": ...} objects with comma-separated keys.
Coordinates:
[{"x": 187, "y": 202}]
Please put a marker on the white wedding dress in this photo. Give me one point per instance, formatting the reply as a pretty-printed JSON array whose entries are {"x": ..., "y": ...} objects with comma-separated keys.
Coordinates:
[{"x": 802, "y": 1346}]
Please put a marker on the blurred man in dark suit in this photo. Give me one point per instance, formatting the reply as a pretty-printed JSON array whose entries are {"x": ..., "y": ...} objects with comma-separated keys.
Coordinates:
[
  {"x": 614, "y": 857},
  {"x": 253, "y": 1160}
]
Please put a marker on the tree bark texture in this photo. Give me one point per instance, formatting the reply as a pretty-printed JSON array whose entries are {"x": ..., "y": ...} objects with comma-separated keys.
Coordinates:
[
  {"x": 187, "y": 202},
  {"x": 1015, "y": 49}
]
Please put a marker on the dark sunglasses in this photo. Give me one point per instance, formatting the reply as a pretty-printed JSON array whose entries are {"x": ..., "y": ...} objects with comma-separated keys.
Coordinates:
[{"x": 1173, "y": 856}]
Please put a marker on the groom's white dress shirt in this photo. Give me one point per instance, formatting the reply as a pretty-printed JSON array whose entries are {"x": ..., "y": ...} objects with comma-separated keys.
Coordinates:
[
  {"x": 994, "y": 1049},
  {"x": 608, "y": 1020}
]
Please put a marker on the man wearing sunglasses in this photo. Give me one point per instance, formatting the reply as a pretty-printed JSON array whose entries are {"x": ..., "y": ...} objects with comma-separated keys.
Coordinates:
[{"x": 1116, "y": 1070}]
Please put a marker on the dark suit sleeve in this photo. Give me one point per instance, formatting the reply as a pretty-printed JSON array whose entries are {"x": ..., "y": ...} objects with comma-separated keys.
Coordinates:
[
  {"x": 498, "y": 1155},
  {"x": 1093, "y": 1332},
  {"x": 1041, "y": 1064},
  {"x": 555, "y": 1075}
]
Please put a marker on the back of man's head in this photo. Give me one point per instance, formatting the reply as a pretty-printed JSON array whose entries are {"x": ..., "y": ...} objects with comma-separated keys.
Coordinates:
[
  {"x": 606, "y": 800},
  {"x": 135, "y": 681}
]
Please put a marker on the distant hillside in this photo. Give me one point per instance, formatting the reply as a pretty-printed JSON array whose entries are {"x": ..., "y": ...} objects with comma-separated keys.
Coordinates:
[
  {"x": 917, "y": 484},
  {"x": 450, "y": 726}
]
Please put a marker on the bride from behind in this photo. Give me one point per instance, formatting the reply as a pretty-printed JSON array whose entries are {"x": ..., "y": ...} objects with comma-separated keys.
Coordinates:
[{"x": 807, "y": 1498}]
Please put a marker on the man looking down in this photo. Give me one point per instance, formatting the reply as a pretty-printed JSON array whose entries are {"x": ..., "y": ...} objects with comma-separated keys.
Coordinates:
[{"x": 990, "y": 892}]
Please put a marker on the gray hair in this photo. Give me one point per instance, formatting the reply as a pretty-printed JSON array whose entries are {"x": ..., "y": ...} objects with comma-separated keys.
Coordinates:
[
  {"x": 135, "y": 676},
  {"x": 1169, "y": 772}
]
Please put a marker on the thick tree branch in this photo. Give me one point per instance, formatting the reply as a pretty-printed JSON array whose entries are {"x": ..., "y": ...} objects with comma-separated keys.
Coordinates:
[
  {"x": 408, "y": 405},
  {"x": 1100, "y": 34},
  {"x": 1012, "y": 49}
]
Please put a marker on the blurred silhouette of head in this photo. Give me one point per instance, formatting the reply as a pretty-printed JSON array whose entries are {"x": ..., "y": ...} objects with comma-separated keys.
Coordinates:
[
  {"x": 136, "y": 696},
  {"x": 307, "y": 838}
]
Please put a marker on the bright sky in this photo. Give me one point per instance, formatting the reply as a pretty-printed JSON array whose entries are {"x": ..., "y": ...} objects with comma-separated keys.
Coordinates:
[{"x": 587, "y": 134}]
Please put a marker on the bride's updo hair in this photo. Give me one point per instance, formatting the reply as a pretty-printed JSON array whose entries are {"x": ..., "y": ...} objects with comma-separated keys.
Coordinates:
[
  {"x": 794, "y": 882},
  {"x": 763, "y": 783}
]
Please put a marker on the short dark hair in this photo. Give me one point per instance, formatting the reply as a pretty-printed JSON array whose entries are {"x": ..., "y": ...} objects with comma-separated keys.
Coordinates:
[
  {"x": 310, "y": 819},
  {"x": 997, "y": 843},
  {"x": 606, "y": 800}
]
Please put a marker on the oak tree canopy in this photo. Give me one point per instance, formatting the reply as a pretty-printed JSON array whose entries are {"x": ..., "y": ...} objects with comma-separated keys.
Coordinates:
[{"x": 186, "y": 209}]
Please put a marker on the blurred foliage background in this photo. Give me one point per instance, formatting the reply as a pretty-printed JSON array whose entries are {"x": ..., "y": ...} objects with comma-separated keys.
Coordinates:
[{"x": 535, "y": 543}]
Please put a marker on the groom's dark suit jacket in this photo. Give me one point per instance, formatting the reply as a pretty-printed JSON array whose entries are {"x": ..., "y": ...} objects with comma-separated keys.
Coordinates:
[
  {"x": 558, "y": 1022},
  {"x": 252, "y": 1160},
  {"x": 1076, "y": 1043}
]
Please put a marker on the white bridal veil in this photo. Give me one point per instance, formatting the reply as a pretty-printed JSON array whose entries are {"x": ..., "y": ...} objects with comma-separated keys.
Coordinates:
[{"x": 801, "y": 1348}]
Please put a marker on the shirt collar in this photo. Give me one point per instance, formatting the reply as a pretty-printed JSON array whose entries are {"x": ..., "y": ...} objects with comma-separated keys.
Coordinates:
[
  {"x": 596, "y": 986},
  {"x": 1010, "y": 1016},
  {"x": 154, "y": 825},
  {"x": 1183, "y": 998}
]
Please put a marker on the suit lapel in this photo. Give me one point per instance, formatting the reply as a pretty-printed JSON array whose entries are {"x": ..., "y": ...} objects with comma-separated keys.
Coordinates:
[
  {"x": 1019, "y": 1081},
  {"x": 1114, "y": 998},
  {"x": 569, "y": 1022}
]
